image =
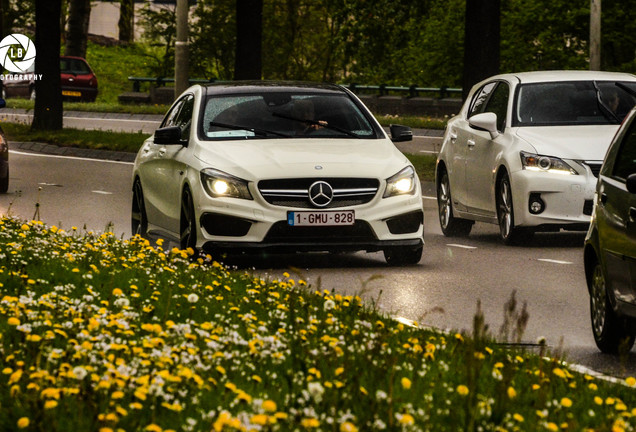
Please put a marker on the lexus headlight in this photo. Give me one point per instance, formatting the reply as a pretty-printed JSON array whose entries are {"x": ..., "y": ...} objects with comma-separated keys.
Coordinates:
[
  {"x": 550, "y": 164},
  {"x": 219, "y": 184},
  {"x": 401, "y": 183}
]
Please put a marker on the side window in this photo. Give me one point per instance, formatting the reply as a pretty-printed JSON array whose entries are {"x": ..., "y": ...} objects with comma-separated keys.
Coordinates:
[
  {"x": 478, "y": 104},
  {"x": 498, "y": 104},
  {"x": 184, "y": 118},
  {"x": 170, "y": 118},
  {"x": 625, "y": 163}
]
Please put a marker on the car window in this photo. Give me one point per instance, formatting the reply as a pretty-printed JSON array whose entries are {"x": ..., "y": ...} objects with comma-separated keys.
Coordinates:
[
  {"x": 170, "y": 119},
  {"x": 478, "y": 104},
  {"x": 74, "y": 66},
  {"x": 184, "y": 117},
  {"x": 572, "y": 103},
  {"x": 625, "y": 163},
  {"x": 283, "y": 115},
  {"x": 498, "y": 104}
]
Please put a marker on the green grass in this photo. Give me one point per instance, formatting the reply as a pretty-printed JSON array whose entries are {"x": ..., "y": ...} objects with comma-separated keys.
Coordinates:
[
  {"x": 102, "y": 140},
  {"x": 103, "y": 334}
]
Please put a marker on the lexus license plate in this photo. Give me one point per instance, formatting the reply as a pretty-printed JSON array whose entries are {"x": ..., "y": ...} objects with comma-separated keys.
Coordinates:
[{"x": 321, "y": 218}]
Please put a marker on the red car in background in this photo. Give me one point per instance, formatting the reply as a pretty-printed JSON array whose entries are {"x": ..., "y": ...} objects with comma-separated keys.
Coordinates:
[{"x": 77, "y": 78}]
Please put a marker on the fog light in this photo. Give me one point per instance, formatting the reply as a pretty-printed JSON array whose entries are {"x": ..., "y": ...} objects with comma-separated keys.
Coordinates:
[{"x": 536, "y": 204}]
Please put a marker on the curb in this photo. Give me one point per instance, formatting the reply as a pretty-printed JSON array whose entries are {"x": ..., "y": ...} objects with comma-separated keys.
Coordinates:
[{"x": 55, "y": 150}]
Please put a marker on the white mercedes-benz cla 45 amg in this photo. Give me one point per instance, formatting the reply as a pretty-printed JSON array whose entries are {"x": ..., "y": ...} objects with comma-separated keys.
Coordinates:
[{"x": 278, "y": 167}]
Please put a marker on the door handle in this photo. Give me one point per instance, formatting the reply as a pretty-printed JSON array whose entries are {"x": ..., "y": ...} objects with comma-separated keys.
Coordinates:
[
  {"x": 162, "y": 152},
  {"x": 471, "y": 143},
  {"x": 453, "y": 136}
]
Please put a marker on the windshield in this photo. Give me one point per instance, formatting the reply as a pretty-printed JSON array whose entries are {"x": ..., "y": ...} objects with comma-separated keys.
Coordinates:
[
  {"x": 283, "y": 115},
  {"x": 572, "y": 103}
]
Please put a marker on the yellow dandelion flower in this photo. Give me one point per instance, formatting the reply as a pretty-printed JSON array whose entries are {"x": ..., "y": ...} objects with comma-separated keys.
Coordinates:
[
  {"x": 518, "y": 417},
  {"x": 117, "y": 292},
  {"x": 50, "y": 404},
  {"x": 406, "y": 419},
  {"x": 462, "y": 390},
  {"x": 566, "y": 402},
  {"x": 512, "y": 393},
  {"x": 406, "y": 383},
  {"x": 23, "y": 422},
  {"x": 552, "y": 427},
  {"x": 13, "y": 321},
  {"x": 153, "y": 428},
  {"x": 630, "y": 381},
  {"x": 598, "y": 400},
  {"x": 269, "y": 406},
  {"x": 310, "y": 423},
  {"x": 260, "y": 419}
]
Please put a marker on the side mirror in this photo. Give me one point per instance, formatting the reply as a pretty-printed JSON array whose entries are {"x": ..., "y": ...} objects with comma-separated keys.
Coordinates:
[
  {"x": 3, "y": 103},
  {"x": 485, "y": 121},
  {"x": 400, "y": 133},
  {"x": 168, "y": 135},
  {"x": 631, "y": 183}
]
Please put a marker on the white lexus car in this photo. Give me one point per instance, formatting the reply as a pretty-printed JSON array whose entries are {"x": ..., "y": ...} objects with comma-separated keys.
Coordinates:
[
  {"x": 526, "y": 149},
  {"x": 277, "y": 166}
]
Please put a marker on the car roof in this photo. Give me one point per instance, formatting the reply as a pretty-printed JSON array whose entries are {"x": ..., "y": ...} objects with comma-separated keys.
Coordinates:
[
  {"x": 566, "y": 75},
  {"x": 227, "y": 87}
]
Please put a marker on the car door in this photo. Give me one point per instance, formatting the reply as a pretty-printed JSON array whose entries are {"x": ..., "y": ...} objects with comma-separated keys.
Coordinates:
[
  {"x": 616, "y": 219},
  {"x": 162, "y": 169},
  {"x": 461, "y": 136},
  {"x": 482, "y": 151}
]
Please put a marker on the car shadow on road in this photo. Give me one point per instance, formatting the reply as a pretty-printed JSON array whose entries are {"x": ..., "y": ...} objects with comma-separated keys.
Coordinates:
[{"x": 539, "y": 240}]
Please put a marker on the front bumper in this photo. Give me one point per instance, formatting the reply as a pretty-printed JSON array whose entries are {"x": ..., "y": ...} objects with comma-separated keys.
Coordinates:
[
  {"x": 567, "y": 199},
  {"x": 242, "y": 225}
]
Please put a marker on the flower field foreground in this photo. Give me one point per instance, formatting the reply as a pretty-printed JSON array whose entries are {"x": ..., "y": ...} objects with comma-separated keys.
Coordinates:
[{"x": 100, "y": 334}]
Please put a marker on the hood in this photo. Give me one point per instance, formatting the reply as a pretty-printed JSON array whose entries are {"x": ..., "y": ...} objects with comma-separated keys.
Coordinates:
[
  {"x": 288, "y": 158},
  {"x": 570, "y": 142}
]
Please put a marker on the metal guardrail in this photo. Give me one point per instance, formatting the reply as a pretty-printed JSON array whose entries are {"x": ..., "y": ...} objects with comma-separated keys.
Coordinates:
[
  {"x": 411, "y": 91},
  {"x": 382, "y": 89}
]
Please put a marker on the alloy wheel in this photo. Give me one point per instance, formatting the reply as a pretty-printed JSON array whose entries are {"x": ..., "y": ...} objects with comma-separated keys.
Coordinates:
[
  {"x": 504, "y": 208},
  {"x": 598, "y": 300}
]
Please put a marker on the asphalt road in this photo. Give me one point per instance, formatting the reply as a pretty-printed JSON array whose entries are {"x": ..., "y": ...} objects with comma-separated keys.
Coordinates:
[{"x": 442, "y": 291}]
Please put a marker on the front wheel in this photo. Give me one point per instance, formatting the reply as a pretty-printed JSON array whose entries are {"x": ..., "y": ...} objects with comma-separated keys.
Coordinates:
[
  {"x": 509, "y": 233},
  {"x": 451, "y": 226},
  {"x": 610, "y": 336},
  {"x": 139, "y": 219},
  {"x": 401, "y": 256},
  {"x": 188, "y": 237}
]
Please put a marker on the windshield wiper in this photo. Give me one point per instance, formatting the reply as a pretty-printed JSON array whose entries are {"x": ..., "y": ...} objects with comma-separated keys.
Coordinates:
[
  {"x": 256, "y": 131},
  {"x": 607, "y": 111},
  {"x": 317, "y": 123}
]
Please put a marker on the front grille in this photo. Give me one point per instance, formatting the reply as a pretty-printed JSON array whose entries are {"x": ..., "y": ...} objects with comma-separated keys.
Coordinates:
[
  {"x": 595, "y": 167},
  {"x": 294, "y": 193},
  {"x": 281, "y": 232}
]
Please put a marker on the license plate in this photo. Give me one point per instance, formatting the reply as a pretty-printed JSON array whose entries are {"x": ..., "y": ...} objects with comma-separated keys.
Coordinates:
[
  {"x": 71, "y": 93},
  {"x": 321, "y": 218}
]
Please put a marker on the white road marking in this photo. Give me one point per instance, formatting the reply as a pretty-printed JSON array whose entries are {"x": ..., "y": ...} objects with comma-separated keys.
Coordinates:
[
  {"x": 68, "y": 157},
  {"x": 102, "y": 192},
  {"x": 553, "y": 261},
  {"x": 461, "y": 246}
]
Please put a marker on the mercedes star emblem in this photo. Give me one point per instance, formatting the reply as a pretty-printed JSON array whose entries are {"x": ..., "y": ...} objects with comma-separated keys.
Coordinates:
[{"x": 320, "y": 194}]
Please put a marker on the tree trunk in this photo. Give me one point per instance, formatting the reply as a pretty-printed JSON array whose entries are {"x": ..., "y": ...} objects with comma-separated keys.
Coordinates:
[
  {"x": 77, "y": 34},
  {"x": 249, "y": 36},
  {"x": 481, "y": 41},
  {"x": 47, "y": 114},
  {"x": 126, "y": 20}
]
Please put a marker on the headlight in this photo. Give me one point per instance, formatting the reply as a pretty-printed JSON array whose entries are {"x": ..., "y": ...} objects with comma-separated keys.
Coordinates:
[
  {"x": 550, "y": 164},
  {"x": 219, "y": 184},
  {"x": 401, "y": 183}
]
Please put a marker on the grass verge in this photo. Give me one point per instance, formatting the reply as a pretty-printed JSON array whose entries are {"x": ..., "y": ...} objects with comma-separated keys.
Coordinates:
[{"x": 104, "y": 334}]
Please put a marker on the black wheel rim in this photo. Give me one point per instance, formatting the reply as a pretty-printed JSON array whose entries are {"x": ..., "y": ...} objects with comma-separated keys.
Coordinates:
[{"x": 188, "y": 234}]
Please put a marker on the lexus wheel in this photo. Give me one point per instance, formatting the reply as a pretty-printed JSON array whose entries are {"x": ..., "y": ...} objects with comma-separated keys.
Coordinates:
[
  {"x": 509, "y": 233},
  {"x": 451, "y": 226}
]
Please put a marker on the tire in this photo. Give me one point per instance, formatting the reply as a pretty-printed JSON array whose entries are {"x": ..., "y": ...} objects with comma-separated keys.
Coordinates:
[
  {"x": 508, "y": 232},
  {"x": 609, "y": 334},
  {"x": 139, "y": 219},
  {"x": 401, "y": 256},
  {"x": 188, "y": 230},
  {"x": 451, "y": 226}
]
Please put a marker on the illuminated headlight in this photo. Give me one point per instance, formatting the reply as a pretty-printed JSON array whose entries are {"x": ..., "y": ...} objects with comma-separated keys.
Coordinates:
[
  {"x": 534, "y": 162},
  {"x": 401, "y": 183},
  {"x": 219, "y": 184}
]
